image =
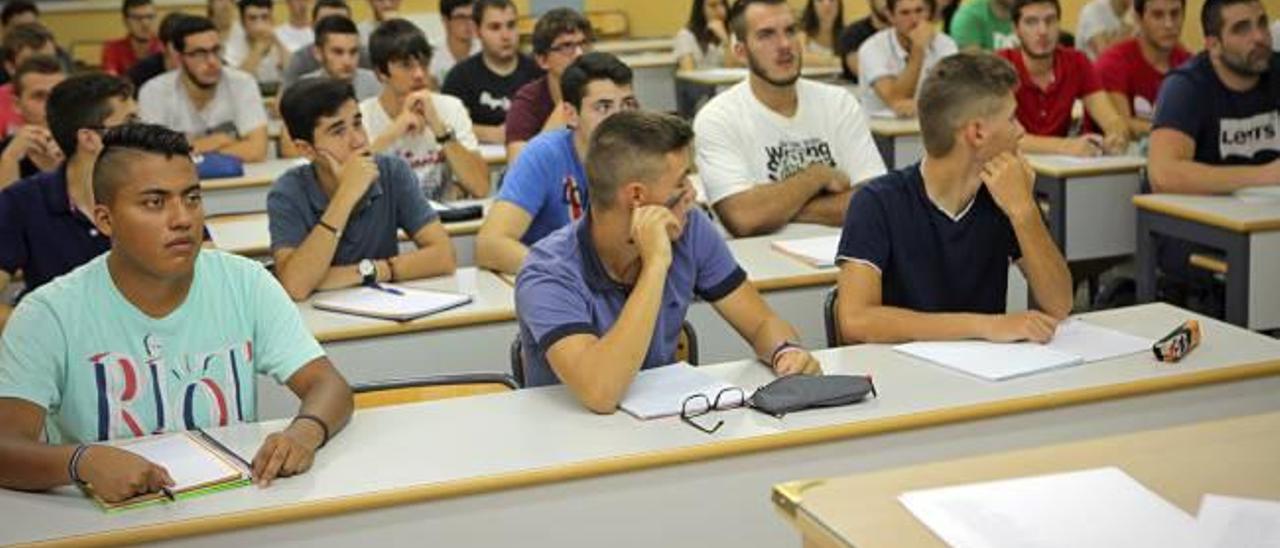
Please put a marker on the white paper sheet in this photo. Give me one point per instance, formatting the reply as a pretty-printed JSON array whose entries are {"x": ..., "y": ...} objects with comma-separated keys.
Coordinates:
[
  {"x": 659, "y": 392},
  {"x": 1230, "y": 522},
  {"x": 1094, "y": 343},
  {"x": 818, "y": 251},
  {"x": 367, "y": 301},
  {"x": 189, "y": 463},
  {"x": 1099, "y": 508}
]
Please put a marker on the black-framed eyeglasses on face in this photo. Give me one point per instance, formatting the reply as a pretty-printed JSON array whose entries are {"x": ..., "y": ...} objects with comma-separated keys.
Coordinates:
[
  {"x": 698, "y": 405},
  {"x": 204, "y": 54},
  {"x": 570, "y": 47}
]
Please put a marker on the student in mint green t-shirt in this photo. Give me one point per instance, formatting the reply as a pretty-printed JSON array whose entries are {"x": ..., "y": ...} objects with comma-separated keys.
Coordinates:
[
  {"x": 984, "y": 24},
  {"x": 153, "y": 336}
]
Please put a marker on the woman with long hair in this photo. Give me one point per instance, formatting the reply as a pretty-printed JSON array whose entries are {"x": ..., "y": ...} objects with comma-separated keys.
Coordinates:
[
  {"x": 822, "y": 22},
  {"x": 703, "y": 43}
]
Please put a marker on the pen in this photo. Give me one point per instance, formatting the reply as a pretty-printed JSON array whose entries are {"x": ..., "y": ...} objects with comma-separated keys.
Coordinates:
[
  {"x": 672, "y": 201},
  {"x": 388, "y": 289},
  {"x": 168, "y": 493},
  {"x": 218, "y": 445}
]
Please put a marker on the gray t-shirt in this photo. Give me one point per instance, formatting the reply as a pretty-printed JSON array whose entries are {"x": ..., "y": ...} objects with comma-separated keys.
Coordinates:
[
  {"x": 394, "y": 201},
  {"x": 304, "y": 61},
  {"x": 365, "y": 82}
]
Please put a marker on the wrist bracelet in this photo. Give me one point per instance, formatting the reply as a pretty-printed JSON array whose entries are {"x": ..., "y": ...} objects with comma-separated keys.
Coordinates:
[
  {"x": 782, "y": 348},
  {"x": 328, "y": 226},
  {"x": 74, "y": 464},
  {"x": 323, "y": 427}
]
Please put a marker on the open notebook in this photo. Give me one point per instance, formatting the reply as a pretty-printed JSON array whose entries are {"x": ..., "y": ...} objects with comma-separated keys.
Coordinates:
[
  {"x": 819, "y": 251},
  {"x": 1075, "y": 342},
  {"x": 392, "y": 302},
  {"x": 659, "y": 392},
  {"x": 198, "y": 467}
]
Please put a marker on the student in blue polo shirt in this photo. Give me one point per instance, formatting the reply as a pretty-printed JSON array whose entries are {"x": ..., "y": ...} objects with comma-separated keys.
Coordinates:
[
  {"x": 547, "y": 187},
  {"x": 156, "y": 335},
  {"x": 45, "y": 230},
  {"x": 605, "y": 296},
  {"x": 925, "y": 250},
  {"x": 333, "y": 221}
]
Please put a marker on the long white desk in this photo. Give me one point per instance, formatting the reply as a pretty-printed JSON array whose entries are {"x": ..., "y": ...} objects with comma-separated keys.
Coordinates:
[
  {"x": 1091, "y": 213},
  {"x": 898, "y": 140},
  {"x": 534, "y": 468},
  {"x": 730, "y": 76},
  {"x": 653, "y": 78}
]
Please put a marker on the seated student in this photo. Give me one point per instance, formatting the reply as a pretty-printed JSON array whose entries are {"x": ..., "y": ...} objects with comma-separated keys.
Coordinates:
[
  {"x": 428, "y": 130},
  {"x": 1052, "y": 78},
  {"x": 257, "y": 51},
  {"x": 32, "y": 149},
  {"x": 1216, "y": 122},
  {"x": 1102, "y": 24},
  {"x": 219, "y": 108},
  {"x": 560, "y": 37},
  {"x": 21, "y": 13},
  {"x": 857, "y": 33},
  {"x": 305, "y": 60},
  {"x": 820, "y": 26},
  {"x": 139, "y": 316},
  {"x": 486, "y": 81},
  {"x": 296, "y": 32},
  {"x": 45, "y": 224},
  {"x": 925, "y": 250},
  {"x": 777, "y": 149},
  {"x": 984, "y": 25},
  {"x": 19, "y": 44},
  {"x": 460, "y": 40},
  {"x": 160, "y": 62},
  {"x": 382, "y": 11},
  {"x": 333, "y": 221},
  {"x": 893, "y": 61},
  {"x": 1132, "y": 70},
  {"x": 118, "y": 56},
  {"x": 703, "y": 43},
  {"x": 547, "y": 187},
  {"x": 605, "y": 296}
]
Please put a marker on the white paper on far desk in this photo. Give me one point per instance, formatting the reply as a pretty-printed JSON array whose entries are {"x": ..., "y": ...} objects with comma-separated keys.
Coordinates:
[
  {"x": 1075, "y": 342},
  {"x": 367, "y": 301},
  {"x": 189, "y": 463},
  {"x": 1099, "y": 508},
  {"x": 819, "y": 251},
  {"x": 1259, "y": 194},
  {"x": 659, "y": 392},
  {"x": 1229, "y": 522}
]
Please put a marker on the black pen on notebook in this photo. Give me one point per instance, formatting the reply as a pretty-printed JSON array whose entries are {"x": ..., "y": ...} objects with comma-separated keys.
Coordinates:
[
  {"x": 219, "y": 446},
  {"x": 388, "y": 289},
  {"x": 168, "y": 493}
]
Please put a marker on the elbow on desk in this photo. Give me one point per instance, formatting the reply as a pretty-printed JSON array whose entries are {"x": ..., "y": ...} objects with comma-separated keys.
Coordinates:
[
  {"x": 296, "y": 290},
  {"x": 742, "y": 225},
  {"x": 1165, "y": 178}
]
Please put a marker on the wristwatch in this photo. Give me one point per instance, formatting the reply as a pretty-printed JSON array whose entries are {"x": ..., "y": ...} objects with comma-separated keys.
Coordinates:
[
  {"x": 445, "y": 137},
  {"x": 368, "y": 272}
]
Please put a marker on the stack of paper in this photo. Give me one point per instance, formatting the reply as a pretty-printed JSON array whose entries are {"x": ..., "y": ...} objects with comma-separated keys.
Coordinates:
[
  {"x": 196, "y": 467},
  {"x": 659, "y": 392},
  {"x": 819, "y": 251},
  {"x": 1075, "y": 342},
  {"x": 389, "y": 302}
]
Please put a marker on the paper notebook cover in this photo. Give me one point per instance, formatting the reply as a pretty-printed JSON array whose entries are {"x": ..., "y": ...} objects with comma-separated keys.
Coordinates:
[
  {"x": 1074, "y": 343},
  {"x": 819, "y": 251},
  {"x": 376, "y": 303},
  {"x": 197, "y": 468},
  {"x": 659, "y": 392},
  {"x": 1101, "y": 508}
]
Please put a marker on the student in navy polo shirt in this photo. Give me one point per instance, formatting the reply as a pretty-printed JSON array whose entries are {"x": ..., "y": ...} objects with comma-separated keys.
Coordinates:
[
  {"x": 605, "y": 296},
  {"x": 45, "y": 230},
  {"x": 925, "y": 250},
  {"x": 1217, "y": 124},
  {"x": 333, "y": 221},
  {"x": 546, "y": 188}
]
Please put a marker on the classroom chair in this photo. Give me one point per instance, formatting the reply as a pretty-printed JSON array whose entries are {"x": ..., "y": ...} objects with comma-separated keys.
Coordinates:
[
  {"x": 429, "y": 388},
  {"x": 686, "y": 350},
  {"x": 829, "y": 318}
]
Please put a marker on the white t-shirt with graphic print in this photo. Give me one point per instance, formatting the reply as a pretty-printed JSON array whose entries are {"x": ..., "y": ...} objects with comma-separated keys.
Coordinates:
[{"x": 424, "y": 155}]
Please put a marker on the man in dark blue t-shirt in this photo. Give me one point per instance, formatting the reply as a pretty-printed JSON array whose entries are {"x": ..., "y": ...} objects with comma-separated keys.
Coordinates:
[
  {"x": 1217, "y": 122},
  {"x": 925, "y": 250}
]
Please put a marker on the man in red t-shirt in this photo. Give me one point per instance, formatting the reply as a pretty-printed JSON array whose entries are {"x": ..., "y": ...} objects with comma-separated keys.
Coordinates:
[
  {"x": 118, "y": 56},
  {"x": 1131, "y": 71},
  {"x": 1051, "y": 78}
]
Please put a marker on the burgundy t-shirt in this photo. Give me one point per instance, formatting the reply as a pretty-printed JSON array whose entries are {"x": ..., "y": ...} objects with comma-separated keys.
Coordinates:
[
  {"x": 1048, "y": 111},
  {"x": 529, "y": 110},
  {"x": 1122, "y": 69}
]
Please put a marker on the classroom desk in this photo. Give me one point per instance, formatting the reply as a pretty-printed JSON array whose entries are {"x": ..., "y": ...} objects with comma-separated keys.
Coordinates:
[
  {"x": 730, "y": 76},
  {"x": 898, "y": 140},
  {"x": 1090, "y": 211},
  {"x": 533, "y": 468},
  {"x": 635, "y": 45},
  {"x": 1246, "y": 231},
  {"x": 1234, "y": 457},
  {"x": 653, "y": 79},
  {"x": 246, "y": 234}
]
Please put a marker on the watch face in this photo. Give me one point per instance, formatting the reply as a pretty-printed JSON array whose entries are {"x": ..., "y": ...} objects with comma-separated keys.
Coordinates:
[{"x": 366, "y": 267}]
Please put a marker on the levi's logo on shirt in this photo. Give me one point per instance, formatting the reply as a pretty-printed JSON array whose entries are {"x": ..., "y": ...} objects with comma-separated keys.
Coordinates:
[
  {"x": 788, "y": 158},
  {"x": 1249, "y": 136},
  {"x": 495, "y": 103}
]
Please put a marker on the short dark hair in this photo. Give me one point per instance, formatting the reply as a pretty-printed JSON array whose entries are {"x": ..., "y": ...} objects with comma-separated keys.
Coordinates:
[
  {"x": 14, "y": 8},
  {"x": 167, "y": 24},
  {"x": 305, "y": 102},
  {"x": 36, "y": 64},
  {"x": 25, "y": 36},
  {"x": 315, "y": 8},
  {"x": 1211, "y": 15},
  {"x": 631, "y": 146},
  {"x": 397, "y": 40},
  {"x": 738, "y": 15},
  {"x": 1018, "y": 6},
  {"x": 447, "y": 7},
  {"x": 334, "y": 24},
  {"x": 592, "y": 66},
  {"x": 933, "y": 5},
  {"x": 479, "y": 7},
  {"x": 957, "y": 89},
  {"x": 80, "y": 102},
  {"x": 130, "y": 4},
  {"x": 244, "y": 4},
  {"x": 1140, "y": 6},
  {"x": 555, "y": 22},
  {"x": 132, "y": 139},
  {"x": 187, "y": 26}
]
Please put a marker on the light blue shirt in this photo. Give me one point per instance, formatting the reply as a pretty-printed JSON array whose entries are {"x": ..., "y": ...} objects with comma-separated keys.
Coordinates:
[{"x": 548, "y": 182}]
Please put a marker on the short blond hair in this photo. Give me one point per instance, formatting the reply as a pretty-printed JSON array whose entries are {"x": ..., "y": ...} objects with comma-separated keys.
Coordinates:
[{"x": 958, "y": 89}]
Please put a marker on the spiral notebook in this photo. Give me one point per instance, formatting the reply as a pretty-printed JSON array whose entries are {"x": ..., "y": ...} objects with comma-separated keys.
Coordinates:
[
  {"x": 389, "y": 302},
  {"x": 198, "y": 464}
]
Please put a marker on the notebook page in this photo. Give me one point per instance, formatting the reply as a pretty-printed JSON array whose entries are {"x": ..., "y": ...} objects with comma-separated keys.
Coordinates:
[
  {"x": 990, "y": 361},
  {"x": 659, "y": 392},
  {"x": 819, "y": 251},
  {"x": 1230, "y": 522},
  {"x": 367, "y": 301},
  {"x": 189, "y": 463},
  {"x": 1095, "y": 343}
]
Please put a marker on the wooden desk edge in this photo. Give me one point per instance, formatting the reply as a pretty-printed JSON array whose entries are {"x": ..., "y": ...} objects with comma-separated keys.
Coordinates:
[
  {"x": 1081, "y": 171},
  {"x": 421, "y": 493},
  {"x": 1152, "y": 203},
  {"x": 233, "y": 183},
  {"x": 797, "y": 281}
]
